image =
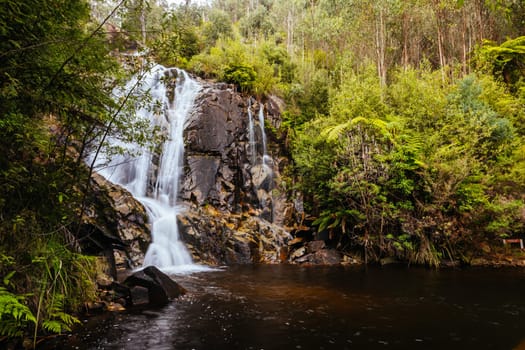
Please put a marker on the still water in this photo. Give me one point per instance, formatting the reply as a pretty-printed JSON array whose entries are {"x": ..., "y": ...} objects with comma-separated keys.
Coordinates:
[{"x": 291, "y": 307}]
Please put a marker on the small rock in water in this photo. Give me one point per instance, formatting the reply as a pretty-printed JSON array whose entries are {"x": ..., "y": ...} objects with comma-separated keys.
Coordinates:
[{"x": 115, "y": 307}]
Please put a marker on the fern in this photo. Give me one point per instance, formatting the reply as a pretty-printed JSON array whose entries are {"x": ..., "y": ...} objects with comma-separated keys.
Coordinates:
[
  {"x": 14, "y": 316},
  {"x": 57, "y": 320},
  {"x": 332, "y": 133}
]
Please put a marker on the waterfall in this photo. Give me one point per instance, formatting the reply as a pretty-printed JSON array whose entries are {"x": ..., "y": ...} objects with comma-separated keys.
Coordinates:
[
  {"x": 266, "y": 160},
  {"x": 136, "y": 170},
  {"x": 251, "y": 134},
  {"x": 252, "y": 145},
  {"x": 261, "y": 172}
]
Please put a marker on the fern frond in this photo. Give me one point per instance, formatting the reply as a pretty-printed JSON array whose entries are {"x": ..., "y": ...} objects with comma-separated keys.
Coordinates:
[
  {"x": 332, "y": 133},
  {"x": 54, "y": 326},
  {"x": 14, "y": 315}
]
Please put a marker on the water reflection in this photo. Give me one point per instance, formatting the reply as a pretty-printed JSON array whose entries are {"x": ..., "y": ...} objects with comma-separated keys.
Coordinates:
[{"x": 289, "y": 307}]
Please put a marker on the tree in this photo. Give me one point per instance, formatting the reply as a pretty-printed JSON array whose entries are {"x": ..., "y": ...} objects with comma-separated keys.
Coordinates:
[
  {"x": 56, "y": 79},
  {"x": 217, "y": 26}
]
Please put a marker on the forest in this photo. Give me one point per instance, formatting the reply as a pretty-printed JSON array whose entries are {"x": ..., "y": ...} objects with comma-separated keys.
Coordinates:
[{"x": 404, "y": 122}]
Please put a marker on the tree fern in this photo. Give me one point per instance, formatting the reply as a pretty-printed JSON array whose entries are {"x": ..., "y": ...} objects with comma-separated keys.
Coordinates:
[
  {"x": 380, "y": 127},
  {"x": 332, "y": 133}
]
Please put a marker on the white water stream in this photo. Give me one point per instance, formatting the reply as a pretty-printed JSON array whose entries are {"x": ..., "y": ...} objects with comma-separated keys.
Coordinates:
[
  {"x": 251, "y": 134},
  {"x": 266, "y": 160},
  {"x": 155, "y": 186}
]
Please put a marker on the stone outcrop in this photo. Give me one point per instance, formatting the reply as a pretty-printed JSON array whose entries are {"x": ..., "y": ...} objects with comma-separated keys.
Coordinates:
[
  {"x": 239, "y": 209},
  {"x": 218, "y": 239},
  {"x": 237, "y": 204},
  {"x": 117, "y": 223}
]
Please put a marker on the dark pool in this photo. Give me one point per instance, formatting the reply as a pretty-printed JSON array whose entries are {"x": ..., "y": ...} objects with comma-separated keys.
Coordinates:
[{"x": 290, "y": 307}]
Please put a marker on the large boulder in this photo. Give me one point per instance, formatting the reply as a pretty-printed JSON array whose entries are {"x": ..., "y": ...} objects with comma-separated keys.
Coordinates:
[
  {"x": 238, "y": 206},
  {"x": 159, "y": 287},
  {"x": 222, "y": 167},
  {"x": 114, "y": 227}
]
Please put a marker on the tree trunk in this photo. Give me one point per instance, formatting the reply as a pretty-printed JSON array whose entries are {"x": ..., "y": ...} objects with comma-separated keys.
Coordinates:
[
  {"x": 464, "y": 41},
  {"x": 290, "y": 32},
  {"x": 380, "y": 46},
  {"x": 405, "y": 39},
  {"x": 143, "y": 22},
  {"x": 439, "y": 27}
]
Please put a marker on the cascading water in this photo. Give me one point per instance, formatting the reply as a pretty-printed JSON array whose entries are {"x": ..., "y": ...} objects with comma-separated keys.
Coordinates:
[
  {"x": 266, "y": 160},
  {"x": 251, "y": 134},
  {"x": 262, "y": 172},
  {"x": 158, "y": 188}
]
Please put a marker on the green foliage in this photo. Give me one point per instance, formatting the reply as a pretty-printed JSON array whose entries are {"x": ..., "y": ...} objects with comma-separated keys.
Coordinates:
[
  {"x": 218, "y": 26},
  {"x": 504, "y": 217},
  {"x": 257, "y": 24},
  {"x": 407, "y": 170},
  {"x": 254, "y": 71},
  {"x": 56, "y": 79},
  {"x": 178, "y": 42},
  {"x": 505, "y": 61},
  {"x": 15, "y": 316},
  {"x": 240, "y": 74}
]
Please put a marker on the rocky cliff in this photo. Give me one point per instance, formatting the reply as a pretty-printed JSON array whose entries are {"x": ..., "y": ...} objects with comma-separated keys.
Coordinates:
[{"x": 237, "y": 204}]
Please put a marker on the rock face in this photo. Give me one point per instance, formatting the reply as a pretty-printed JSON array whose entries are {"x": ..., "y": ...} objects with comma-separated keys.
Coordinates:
[
  {"x": 217, "y": 238},
  {"x": 116, "y": 222},
  {"x": 237, "y": 204}
]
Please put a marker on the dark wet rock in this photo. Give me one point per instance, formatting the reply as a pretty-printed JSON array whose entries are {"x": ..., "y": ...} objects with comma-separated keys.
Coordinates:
[
  {"x": 321, "y": 257},
  {"x": 160, "y": 287},
  {"x": 274, "y": 106},
  {"x": 221, "y": 168},
  {"x": 200, "y": 180},
  {"x": 315, "y": 246},
  {"x": 115, "y": 226},
  {"x": 238, "y": 207}
]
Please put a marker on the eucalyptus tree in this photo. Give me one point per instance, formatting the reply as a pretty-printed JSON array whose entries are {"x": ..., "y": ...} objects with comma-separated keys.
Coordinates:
[{"x": 142, "y": 19}]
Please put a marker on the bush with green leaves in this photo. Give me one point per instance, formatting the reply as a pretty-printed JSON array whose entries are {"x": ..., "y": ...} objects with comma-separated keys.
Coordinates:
[
  {"x": 242, "y": 75},
  {"x": 255, "y": 70},
  {"x": 417, "y": 169}
]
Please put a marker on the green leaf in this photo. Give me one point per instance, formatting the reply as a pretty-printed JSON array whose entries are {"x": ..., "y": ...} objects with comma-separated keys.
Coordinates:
[{"x": 8, "y": 277}]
